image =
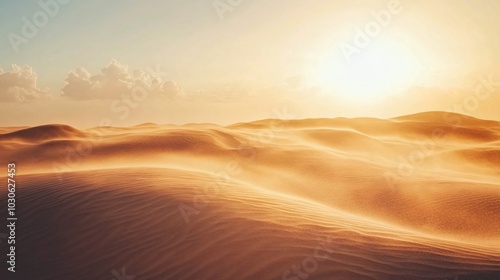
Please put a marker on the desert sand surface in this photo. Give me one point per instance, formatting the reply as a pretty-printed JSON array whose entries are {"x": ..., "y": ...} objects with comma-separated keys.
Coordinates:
[{"x": 412, "y": 197}]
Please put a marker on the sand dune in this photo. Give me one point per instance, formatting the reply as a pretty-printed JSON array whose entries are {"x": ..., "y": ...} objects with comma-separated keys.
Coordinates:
[
  {"x": 413, "y": 197},
  {"x": 42, "y": 133}
]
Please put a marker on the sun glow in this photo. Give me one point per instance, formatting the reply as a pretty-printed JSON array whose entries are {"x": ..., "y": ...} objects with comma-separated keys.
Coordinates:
[{"x": 377, "y": 70}]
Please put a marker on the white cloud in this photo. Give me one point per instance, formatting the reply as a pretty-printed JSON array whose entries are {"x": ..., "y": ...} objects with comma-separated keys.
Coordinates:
[
  {"x": 114, "y": 81},
  {"x": 20, "y": 85}
]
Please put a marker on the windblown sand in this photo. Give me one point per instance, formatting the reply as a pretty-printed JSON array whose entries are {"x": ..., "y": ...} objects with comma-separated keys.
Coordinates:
[{"x": 414, "y": 197}]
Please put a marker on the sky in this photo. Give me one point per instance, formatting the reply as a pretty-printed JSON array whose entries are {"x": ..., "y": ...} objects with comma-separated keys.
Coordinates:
[{"x": 226, "y": 61}]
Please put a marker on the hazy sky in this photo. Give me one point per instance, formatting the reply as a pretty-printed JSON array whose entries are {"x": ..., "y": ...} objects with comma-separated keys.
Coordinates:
[{"x": 226, "y": 61}]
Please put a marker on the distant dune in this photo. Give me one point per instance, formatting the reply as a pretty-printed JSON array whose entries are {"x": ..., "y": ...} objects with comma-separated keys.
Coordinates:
[{"x": 413, "y": 197}]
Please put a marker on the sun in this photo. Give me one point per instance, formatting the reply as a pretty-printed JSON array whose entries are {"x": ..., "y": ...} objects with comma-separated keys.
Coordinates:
[{"x": 378, "y": 70}]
